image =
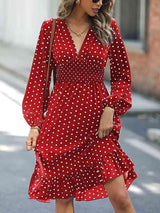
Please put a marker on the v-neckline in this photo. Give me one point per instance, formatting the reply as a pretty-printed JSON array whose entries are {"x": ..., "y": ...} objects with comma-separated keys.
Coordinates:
[{"x": 73, "y": 43}]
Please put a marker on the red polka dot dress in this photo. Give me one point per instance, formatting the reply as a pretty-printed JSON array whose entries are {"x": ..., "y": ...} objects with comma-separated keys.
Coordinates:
[{"x": 70, "y": 159}]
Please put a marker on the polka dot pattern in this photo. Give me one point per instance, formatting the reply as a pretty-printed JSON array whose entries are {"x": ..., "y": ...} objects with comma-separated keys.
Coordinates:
[{"x": 70, "y": 159}]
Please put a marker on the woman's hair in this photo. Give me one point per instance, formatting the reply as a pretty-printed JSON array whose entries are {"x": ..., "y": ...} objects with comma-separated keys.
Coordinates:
[{"x": 101, "y": 21}]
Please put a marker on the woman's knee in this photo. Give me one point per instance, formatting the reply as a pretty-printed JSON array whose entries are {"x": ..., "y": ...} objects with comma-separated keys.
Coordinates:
[{"x": 121, "y": 199}]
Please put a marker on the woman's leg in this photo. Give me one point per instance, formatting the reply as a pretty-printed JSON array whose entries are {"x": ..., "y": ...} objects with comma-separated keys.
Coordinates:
[
  {"x": 65, "y": 205},
  {"x": 118, "y": 195}
]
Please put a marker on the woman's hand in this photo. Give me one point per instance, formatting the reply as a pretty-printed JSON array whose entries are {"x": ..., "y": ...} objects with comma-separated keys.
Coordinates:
[
  {"x": 31, "y": 140},
  {"x": 106, "y": 122}
]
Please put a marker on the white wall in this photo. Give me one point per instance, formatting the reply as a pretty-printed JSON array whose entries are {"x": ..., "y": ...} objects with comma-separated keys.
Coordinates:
[{"x": 20, "y": 20}]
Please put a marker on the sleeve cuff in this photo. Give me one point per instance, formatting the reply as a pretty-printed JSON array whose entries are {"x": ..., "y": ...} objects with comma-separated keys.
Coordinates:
[
  {"x": 119, "y": 104},
  {"x": 33, "y": 120}
]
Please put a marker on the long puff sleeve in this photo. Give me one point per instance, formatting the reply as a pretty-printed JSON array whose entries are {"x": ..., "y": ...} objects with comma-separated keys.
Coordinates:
[
  {"x": 32, "y": 104},
  {"x": 120, "y": 96}
]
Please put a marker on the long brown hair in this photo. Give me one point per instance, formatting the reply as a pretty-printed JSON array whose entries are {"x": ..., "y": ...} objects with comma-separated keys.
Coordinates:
[{"x": 101, "y": 21}]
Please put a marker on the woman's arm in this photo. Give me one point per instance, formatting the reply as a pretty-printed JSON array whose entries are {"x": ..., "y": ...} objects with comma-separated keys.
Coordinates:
[
  {"x": 32, "y": 105},
  {"x": 120, "y": 96}
]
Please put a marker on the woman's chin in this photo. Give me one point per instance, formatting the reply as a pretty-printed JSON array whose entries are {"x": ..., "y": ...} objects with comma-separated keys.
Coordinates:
[{"x": 91, "y": 14}]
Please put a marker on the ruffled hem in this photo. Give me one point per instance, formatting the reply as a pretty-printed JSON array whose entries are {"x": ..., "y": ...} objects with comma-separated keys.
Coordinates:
[{"x": 78, "y": 186}]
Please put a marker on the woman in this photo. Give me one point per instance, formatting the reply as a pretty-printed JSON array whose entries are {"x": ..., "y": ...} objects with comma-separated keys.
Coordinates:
[{"x": 76, "y": 146}]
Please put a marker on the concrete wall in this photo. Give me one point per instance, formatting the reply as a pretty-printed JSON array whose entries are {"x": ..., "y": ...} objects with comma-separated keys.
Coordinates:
[{"x": 20, "y": 20}]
